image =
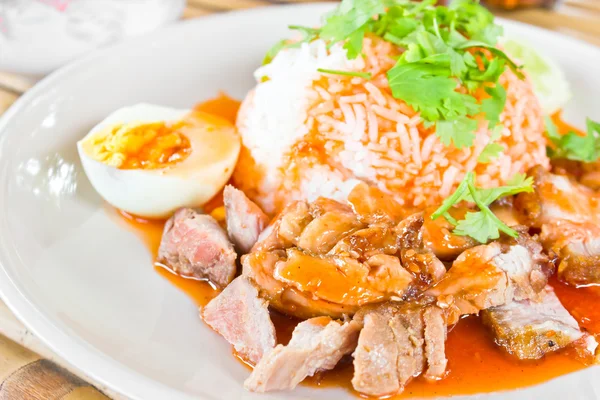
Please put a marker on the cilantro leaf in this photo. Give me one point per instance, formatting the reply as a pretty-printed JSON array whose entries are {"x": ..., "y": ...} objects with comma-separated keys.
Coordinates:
[
  {"x": 488, "y": 224},
  {"x": 482, "y": 225},
  {"x": 491, "y": 150},
  {"x": 494, "y": 105},
  {"x": 489, "y": 34},
  {"x": 492, "y": 69},
  {"x": 455, "y": 198},
  {"x": 350, "y": 16},
  {"x": 354, "y": 43},
  {"x": 496, "y": 52},
  {"x": 479, "y": 225},
  {"x": 472, "y": 18},
  {"x": 459, "y": 131},
  {"x": 519, "y": 183},
  {"x": 443, "y": 50},
  {"x": 426, "y": 85},
  {"x": 573, "y": 146},
  {"x": 308, "y": 35}
]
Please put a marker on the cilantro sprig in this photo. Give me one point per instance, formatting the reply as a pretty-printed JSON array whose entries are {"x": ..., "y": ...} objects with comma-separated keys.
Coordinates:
[
  {"x": 448, "y": 55},
  {"x": 482, "y": 225},
  {"x": 572, "y": 145}
]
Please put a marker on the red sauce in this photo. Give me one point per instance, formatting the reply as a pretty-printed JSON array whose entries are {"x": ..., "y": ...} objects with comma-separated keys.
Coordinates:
[
  {"x": 222, "y": 106},
  {"x": 150, "y": 231},
  {"x": 475, "y": 363}
]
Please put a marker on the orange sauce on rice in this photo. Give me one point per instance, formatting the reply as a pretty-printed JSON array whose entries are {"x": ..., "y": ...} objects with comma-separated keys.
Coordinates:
[{"x": 475, "y": 363}]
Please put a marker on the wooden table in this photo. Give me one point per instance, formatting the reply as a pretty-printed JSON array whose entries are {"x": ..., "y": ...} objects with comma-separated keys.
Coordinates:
[{"x": 29, "y": 370}]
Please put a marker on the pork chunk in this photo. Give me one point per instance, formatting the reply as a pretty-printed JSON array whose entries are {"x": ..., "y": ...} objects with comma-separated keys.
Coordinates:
[
  {"x": 530, "y": 329},
  {"x": 435, "y": 343},
  {"x": 556, "y": 197},
  {"x": 317, "y": 344},
  {"x": 398, "y": 342},
  {"x": 492, "y": 275},
  {"x": 577, "y": 246},
  {"x": 195, "y": 245},
  {"x": 323, "y": 258},
  {"x": 568, "y": 214},
  {"x": 245, "y": 220},
  {"x": 416, "y": 256},
  {"x": 242, "y": 318},
  {"x": 437, "y": 235}
]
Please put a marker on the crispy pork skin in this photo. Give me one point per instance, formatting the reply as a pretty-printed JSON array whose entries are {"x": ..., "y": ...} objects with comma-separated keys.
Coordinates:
[
  {"x": 194, "y": 245},
  {"x": 530, "y": 329},
  {"x": 242, "y": 318},
  {"x": 245, "y": 220},
  {"x": 399, "y": 341},
  {"x": 492, "y": 275},
  {"x": 317, "y": 345}
]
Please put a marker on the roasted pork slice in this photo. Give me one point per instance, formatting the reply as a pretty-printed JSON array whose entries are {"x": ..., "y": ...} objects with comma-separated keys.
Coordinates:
[
  {"x": 557, "y": 197},
  {"x": 437, "y": 235},
  {"x": 242, "y": 318},
  {"x": 416, "y": 256},
  {"x": 374, "y": 206},
  {"x": 260, "y": 268},
  {"x": 245, "y": 220},
  {"x": 317, "y": 345},
  {"x": 194, "y": 245},
  {"x": 577, "y": 246},
  {"x": 568, "y": 214},
  {"x": 529, "y": 329},
  {"x": 315, "y": 226},
  {"x": 435, "y": 340},
  {"x": 492, "y": 275},
  {"x": 398, "y": 341},
  {"x": 365, "y": 243},
  {"x": 326, "y": 230},
  {"x": 587, "y": 174},
  {"x": 322, "y": 258},
  {"x": 325, "y": 285}
]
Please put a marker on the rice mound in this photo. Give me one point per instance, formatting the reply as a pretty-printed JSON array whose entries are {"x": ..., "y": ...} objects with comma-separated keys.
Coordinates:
[{"x": 308, "y": 134}]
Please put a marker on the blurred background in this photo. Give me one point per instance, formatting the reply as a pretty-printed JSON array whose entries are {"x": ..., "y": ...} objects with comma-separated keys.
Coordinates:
[{"x": 38, "y": 36}]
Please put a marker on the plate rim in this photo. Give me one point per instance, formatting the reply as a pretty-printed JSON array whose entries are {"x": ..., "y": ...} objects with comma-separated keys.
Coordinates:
[{"x": 78, "y": 353}]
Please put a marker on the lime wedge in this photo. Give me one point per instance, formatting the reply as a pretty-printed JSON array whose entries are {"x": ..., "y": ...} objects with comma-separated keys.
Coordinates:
[{"x": 549, "y": 80}]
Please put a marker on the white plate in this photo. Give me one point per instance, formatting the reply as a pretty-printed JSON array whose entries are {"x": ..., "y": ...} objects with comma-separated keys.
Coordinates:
[{"x": 83, "y": 283}]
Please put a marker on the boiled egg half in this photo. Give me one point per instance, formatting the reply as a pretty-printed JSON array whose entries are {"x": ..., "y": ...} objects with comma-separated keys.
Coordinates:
[{"x": 150, "y": 160}]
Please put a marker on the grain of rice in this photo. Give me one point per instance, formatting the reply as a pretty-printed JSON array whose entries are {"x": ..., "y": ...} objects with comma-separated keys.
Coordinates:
[
  {"x": 357, "y": 98},
  {"x": 365, "y": 132}
]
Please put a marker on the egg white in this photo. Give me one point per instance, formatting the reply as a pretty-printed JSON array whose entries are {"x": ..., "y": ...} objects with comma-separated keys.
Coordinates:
[{"x": 157, "y": 193}]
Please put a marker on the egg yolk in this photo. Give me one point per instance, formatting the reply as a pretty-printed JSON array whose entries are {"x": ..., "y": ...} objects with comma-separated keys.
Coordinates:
[{"x": 152, "y": 145}]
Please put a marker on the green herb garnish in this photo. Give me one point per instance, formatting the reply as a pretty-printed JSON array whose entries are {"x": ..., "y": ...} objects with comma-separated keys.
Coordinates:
[
  {"x": 444, "y": 48},
  {"x": 492, "y": 149},
  {"x": 482, "y": 225},
  {"x": 572, "y": 145},
  {"x": 364, "y": 75}
]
